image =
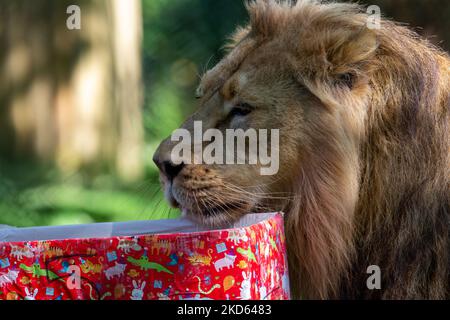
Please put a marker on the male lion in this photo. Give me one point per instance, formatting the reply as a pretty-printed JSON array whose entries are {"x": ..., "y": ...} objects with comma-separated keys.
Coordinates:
[{"x": 364, "y": 148}]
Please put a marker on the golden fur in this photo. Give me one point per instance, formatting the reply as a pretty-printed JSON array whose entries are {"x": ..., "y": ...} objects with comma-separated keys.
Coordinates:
[{"x": 364, "y": 148}]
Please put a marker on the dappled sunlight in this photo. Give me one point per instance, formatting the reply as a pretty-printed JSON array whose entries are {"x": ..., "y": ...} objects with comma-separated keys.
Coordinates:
[
  {"x": 18, "y": 63},
  {"x": 88, "y": 107}
]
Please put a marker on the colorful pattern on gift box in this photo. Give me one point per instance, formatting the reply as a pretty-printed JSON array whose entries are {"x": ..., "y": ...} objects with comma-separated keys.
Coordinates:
[{"x": 244, "y": 263}]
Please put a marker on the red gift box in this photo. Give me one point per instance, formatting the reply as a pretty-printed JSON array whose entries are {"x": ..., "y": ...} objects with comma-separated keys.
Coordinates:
[{"x": 166, "y": 259}]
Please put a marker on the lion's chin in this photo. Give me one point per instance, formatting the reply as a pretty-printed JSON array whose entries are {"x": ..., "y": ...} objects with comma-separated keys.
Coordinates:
[{"x": 215, "y": 217}]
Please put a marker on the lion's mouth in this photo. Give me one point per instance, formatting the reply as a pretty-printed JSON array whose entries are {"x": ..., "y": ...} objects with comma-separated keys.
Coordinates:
[
  {"x": 208, "y": 205},
  {"x": 170, "y": 197},
  {"x": 203, "y": 208}
]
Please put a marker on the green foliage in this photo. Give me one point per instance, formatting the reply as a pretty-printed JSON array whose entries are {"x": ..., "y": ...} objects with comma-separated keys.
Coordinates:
[
  {"x": 30, "y": 195},
  {"x": 182, "y": 39}
]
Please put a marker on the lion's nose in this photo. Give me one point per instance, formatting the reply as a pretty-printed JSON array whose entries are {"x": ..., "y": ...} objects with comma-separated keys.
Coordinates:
[
  {"x": 166, "y": 166},
  {"x": 171, "y": 170}
]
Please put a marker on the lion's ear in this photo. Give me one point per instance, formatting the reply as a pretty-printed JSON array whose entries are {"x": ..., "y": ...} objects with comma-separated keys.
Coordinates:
[
  {"x": 347, "y": 54},
  {"x": 239, "y": 35},
  {"x": 351, "y": 48},
  {"x": 341, "y": 56}
]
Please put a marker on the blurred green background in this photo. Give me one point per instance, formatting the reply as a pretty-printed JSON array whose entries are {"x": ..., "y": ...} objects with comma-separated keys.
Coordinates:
[{"x": 82, "y": 111}]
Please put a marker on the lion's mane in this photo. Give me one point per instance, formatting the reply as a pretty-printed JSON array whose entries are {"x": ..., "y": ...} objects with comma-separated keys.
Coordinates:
[{"x": 381, "y": 198}]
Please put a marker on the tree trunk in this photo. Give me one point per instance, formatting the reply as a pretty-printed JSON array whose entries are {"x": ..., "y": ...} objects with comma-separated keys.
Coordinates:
[{"x": 72, "y": 97}]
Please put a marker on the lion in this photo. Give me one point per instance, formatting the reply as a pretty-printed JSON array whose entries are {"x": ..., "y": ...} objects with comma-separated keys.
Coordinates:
[{"x": 363, "y": 118}]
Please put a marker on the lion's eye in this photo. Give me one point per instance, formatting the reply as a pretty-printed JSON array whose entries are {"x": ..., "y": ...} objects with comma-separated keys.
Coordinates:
[{"x": 241, "y": 110}]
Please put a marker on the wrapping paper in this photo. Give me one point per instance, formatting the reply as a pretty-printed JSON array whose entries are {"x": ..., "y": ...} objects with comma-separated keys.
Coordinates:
[{"x": 245, "y": 261}]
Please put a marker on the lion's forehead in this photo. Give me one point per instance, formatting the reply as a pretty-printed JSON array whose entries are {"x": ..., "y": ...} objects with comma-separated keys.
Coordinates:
[
  {"x": 229, "y": 66},
  {"x": 226, "y": 85}
]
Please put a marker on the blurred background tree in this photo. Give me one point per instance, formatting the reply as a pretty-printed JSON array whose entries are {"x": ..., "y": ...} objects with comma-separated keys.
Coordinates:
[
  {"x": 72, "y": 98},
  {"x": 82, "y": 111}
]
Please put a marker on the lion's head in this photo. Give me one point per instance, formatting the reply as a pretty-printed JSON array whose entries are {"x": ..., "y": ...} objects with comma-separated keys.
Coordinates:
[{"x": 363, "y": 129}]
